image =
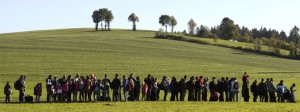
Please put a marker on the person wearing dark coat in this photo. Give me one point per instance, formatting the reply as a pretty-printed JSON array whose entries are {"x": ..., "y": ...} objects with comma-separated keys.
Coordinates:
[
  {"x": 221, "y": 89},
  {"x": 7, "y": 92},
  {"x": 137, "y": 88},
  {"x": 174, "y": 89},
  {"x": 182, "y": 89},
  {"x": 116, "y": 86},
  {"x": 213, "y": 90},
  {"x": 150, "y": 84},
  {"x": 245, "y": 87},
  {"x": 255, "y": 90},
  {"x": 191, "y": 88},
  {"x": 197, "y": 89}
]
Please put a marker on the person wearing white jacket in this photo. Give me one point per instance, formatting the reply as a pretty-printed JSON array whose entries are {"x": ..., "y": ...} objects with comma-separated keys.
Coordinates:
[{"x": 235, "y": 88}]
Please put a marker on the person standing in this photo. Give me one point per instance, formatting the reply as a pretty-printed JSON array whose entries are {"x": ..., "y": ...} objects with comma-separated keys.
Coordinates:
[
  {"x": 174, "y": 89},
  {"x": 137, "y": 88},
  {"x": 38, "y": 92},
  {"x": 191, "y": 88},
  {"x": 48, "y": 86},
  {"x": 271, "y": 89},
  {"x": 293, "y": 91},
  {"x": 7, "y": 92},
  {"x": 205, "y": 90},
  {"x": 166, "y": 86},
  {"x": 281, "y": 90},
  {"x": 124, "y": 85},
  {"x": 227, "y": 89},
  {"x": 115, "y": 86},
  {"x": 88, "y": 84},
  {"x": 255, "y": 90},
  {"x": 150, "y": 84},
  {"x": 197, "y": 89},
  {"x": 235, "y": 88},
  {"x": 221, "y": 88},
  {"x": 213, "y": 90},
  {"x": 106, "y": 84},
  {"x": 21, "y": 88},
  {"x": 263, "y": 91},
  {"x": 245, "y": 87}
]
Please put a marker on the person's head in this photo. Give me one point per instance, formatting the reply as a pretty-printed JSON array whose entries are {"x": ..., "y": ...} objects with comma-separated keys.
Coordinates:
[
  {"x": 255, "y": 81},
  {"x": 197, "y": 78},
  {"x": 77, "y": 75},
  {"x": 192, "y": 78},
  {"x": 164, "y": 77},
  {"x": 7, "y": 83},
  {"x": 64, "y": 76},
  {"x": 124, "y": 77},
  {"x": 50, "y": 76},
  {"x": 294, "y": 85},
  {"x": 105, "y": 76},
  {"x": 227, "y": 78},
  {"x": 116, "y": 75},
  {"x": 222, "y": 78},
  {"x": 201, "y": 77},
  {"x": 281, "y": 81},
  {"x": 137, "y": 78},
  {"x": 69, "y": 77},
  {"x": 268, "y": 79},
  {"x": 87, "y": 77},
  {"x": 173, "y": 79},
  {"x": 55, "y": 78},
  {"x": 131, "y": 75},
  {"x": 262, "y": 80},
  {"x": 245, "y": 73},
  {"x": 149, "y": 75},
  {"x": 213, "y": 79},
  {"x": 21, "y": 77},
  {"x": 99, "y": 81},
  {"x": 271, "y": 79},
  {"x": 185, "y": 77}
]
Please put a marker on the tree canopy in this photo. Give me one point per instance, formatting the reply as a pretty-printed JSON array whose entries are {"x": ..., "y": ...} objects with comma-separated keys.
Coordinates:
[
  {"x": 165, "y": 20},
  {"x": 192, "y": 25},
  {"x": 133, "y": 18}
]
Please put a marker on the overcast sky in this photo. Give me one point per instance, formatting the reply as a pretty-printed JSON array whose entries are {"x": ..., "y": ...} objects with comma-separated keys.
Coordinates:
[{"x": 27, "y": 15}]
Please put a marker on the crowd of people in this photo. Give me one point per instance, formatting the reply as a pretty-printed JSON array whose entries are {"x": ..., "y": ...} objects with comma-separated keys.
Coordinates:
[{"x": 90, "y": 88}]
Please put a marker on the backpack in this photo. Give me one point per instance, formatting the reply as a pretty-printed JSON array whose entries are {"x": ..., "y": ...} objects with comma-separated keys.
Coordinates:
[
  {"x": 128, "y": 87},
  {"x": 235, "y": 85},
  {"x": 35, "y": 90},
  {"x": 17, "y": 85}
]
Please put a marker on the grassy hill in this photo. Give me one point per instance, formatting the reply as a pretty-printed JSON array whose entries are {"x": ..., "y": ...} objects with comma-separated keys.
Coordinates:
[{"x": 69, "y": 51}]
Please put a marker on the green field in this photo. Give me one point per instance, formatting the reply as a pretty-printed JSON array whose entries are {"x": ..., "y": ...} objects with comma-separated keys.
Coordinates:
[{"x": 69, "y": 51}]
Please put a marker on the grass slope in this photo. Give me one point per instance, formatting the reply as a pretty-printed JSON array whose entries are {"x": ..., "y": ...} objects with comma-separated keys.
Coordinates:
[{"x": 69, "y": 51}]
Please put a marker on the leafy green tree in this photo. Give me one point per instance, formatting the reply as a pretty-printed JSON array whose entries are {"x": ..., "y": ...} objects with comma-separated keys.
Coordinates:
[
  {"x": 257, "y": 44},
  {"x": 165, "y": 20},
  {"x": 108, "y": 18},
  {"x": 294, "y": 35},
  {"x": 192, "y": 25},
  {"x": 203, "y": 31},
  {"x": 283, "y": 36},
  {"x": 102, "y": 14},
  {"x": 133, "y": 18},
  {"x": 173, "y": 22},
  {"x": 227, "y": 29},
  {"x": 96, "y": 18}
]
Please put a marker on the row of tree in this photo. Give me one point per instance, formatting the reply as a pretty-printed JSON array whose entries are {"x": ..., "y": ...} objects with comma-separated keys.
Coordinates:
[
  {"x": 228, "y": 30},
  {"x": 102, "y": 15}
]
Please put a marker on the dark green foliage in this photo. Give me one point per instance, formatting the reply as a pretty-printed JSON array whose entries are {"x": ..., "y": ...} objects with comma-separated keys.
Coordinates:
[
  {"x": 165, "y": 20},
  {"x": 228, "y": 30},
  {"x": 102, "y": 15},
  {"x": 133, "y": 18},
  {"x": 203, "y": 31}
]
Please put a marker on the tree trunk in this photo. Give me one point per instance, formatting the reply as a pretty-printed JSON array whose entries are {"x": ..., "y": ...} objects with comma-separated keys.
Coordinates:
[
  {"x": 105, "y": 26},
  {"x": 96, "y": 27},
  {"x": 108, "y": 26},
  {"x": 172, "y": 28},
  {"x": 101, "y": 26},
  {"x": 133, "y": 26},
  {"x": 166, "y": 28}
]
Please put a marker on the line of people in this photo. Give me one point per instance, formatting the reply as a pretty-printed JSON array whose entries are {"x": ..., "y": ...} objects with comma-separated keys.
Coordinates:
[{"x": 89, "y": 88}]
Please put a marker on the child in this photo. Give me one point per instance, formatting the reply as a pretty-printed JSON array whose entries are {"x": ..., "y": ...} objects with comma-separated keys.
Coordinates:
[
  {"x": 7, "y": 92},
  {"x": 38, "y": 91},
  {"x": 144, "y": 90}
]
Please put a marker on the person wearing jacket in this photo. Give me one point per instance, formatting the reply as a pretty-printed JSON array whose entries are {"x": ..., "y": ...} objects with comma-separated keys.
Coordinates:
[
  {"x": 271, "y": 89},
  {"x": 38, "y": 92},
  {"x": 235, "y": 88},
  {"x": 7, "y": 92}
]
